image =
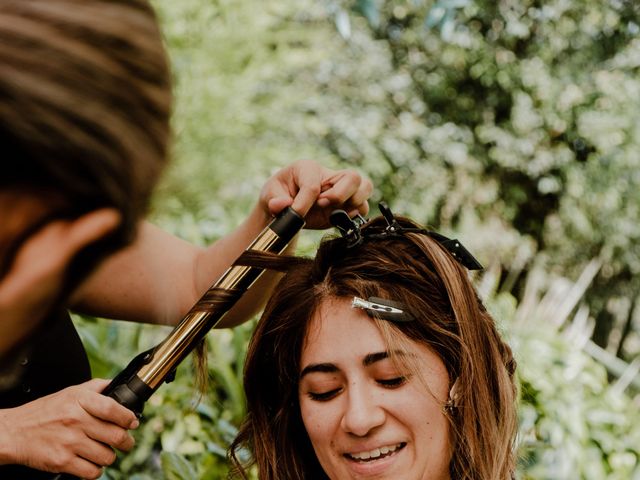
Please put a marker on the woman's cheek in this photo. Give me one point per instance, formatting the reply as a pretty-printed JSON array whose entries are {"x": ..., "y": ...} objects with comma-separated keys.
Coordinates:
[{"x": 315, "y": 416}]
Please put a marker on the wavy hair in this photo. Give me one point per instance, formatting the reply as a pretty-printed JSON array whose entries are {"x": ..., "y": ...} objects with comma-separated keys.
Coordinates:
[{"x": 417, "y": 271}]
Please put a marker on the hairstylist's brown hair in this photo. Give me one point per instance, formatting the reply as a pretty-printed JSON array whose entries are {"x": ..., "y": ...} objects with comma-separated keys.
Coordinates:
[
  {"x": 85, "y": 101},
  {"x": 449, "y": 318}
]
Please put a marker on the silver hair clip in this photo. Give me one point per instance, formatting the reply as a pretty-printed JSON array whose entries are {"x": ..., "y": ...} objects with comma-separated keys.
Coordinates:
[{"x": 382, "y": 308}]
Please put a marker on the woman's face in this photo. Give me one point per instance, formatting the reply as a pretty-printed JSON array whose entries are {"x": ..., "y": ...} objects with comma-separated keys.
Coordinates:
[{"x": 366, "y": 416}]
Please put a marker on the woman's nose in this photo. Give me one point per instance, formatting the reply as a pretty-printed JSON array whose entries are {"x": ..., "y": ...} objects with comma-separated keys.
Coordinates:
[{"x": 363, "y": 411}]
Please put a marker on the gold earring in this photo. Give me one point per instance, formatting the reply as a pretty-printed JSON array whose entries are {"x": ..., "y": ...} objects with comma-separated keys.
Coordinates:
[{"x": 449, "y": 407}]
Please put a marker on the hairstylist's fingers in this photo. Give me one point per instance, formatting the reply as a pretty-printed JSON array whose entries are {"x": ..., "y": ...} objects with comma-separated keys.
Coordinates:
[
  {"x": 91, "y": 227},
  {"x": 297, "y": 185},
  {"x": 314, "y": 191},
  {"x": 66, "y": 238},
  {"x": 308, "y": 177},
  {"x": 96, "y": 452},
  {"x": 82, "y": 468},
  {"x": 42, "y": 262},
  {"x": 359, "y": 200},
  {"x": 110, "y": 434},
  {"x": 107, "y": 409},
  {"x": 339, "y": 187},
  {"x": 277, "y": 204},
  {"x": 347, "y": 189},
  {"x": 96, "y": 384},
  {"x": 44, "y": 256}
]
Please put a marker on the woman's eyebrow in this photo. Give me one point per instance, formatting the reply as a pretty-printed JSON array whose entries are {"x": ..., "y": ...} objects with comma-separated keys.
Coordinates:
[
  {"x": 318, "y": 367},
  {"x": 368, "y": 360},
  {"x": 372, "y": 358}
]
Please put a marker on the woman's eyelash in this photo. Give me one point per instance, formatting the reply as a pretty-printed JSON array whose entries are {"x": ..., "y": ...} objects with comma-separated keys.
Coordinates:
[
  {"x": 387, "y": 383},
  {"x": 324, "y": 396},
  {"x": 393, "y": 382}
]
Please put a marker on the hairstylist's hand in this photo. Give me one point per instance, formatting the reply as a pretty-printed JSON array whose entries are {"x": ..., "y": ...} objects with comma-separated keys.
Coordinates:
[
  {"x": 315, "y": 191},
  {"x": 70, "y": 431},
  {"x": 33, "y": 281}
]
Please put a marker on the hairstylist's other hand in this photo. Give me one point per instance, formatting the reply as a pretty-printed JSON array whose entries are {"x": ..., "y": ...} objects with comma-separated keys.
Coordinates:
[
  {"x": 315, "y": 191},
  {"x": 35, "y": 277},
  {"x": 71, "y": 431}
]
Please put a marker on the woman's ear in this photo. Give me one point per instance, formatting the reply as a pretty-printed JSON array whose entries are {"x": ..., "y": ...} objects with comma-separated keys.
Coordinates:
[{"x": 34, "y": 278}]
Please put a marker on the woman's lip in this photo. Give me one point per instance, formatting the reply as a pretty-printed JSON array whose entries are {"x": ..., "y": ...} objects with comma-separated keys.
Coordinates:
[
  {"x": 388, "y": 447},
  {"x": 375, "y": 466}
]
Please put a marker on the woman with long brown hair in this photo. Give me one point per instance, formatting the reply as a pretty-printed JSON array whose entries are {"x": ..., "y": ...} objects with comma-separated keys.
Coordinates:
[
  {"x": 85, "y": 104},
  {"x": 377, "y": 359}
]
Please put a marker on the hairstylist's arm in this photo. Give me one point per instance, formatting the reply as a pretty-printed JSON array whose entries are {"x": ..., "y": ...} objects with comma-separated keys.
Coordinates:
[
  {"x": 159, "y": 277},
  {"x": 70, "y": 431}
]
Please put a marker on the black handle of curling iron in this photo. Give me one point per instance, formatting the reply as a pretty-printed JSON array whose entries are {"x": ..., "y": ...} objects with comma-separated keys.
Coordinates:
[{"x": 133, "y": 386}]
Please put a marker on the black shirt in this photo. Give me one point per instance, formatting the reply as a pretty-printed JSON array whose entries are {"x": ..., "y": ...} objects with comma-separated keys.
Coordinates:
[{"x": 54, "y": 359}]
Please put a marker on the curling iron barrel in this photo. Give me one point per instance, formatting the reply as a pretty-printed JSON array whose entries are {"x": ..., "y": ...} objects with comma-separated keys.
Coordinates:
[
  {"x": 150, "y": 369},
  {"x": 133, "y": 386}
]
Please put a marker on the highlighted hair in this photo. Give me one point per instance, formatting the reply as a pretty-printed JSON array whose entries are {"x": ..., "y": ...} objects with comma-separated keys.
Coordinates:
[{"x": 449, "y": 318}]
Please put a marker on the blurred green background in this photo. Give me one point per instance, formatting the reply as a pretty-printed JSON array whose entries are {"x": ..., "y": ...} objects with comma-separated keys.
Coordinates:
[{"x": 513, "y": 125}]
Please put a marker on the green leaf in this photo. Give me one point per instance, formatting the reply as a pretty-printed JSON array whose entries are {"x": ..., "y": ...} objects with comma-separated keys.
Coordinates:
[
  {"x": 177, "y": 467},
  {"x": 369, "y": 10}
]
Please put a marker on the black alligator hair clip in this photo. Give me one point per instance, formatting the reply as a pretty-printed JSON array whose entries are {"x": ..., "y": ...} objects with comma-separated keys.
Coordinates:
[{"x": 350, "y": 229}]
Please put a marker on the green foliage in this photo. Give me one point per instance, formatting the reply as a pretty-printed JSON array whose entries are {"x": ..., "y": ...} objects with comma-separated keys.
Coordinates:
[
  {"x": 176, "y": 467},
  {"x": 573, "y": 424},
  {"x": 236, "y": 92}
]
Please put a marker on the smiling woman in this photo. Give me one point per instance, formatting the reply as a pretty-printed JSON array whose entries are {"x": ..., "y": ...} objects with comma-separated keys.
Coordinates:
[{"x": 376, "y": 359}]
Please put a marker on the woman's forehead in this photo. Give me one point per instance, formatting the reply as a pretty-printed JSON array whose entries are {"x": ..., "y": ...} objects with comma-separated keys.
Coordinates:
[
  {"x": 339, "y": 331},
  {"x": 346, "y": 337},
  {"x": 332, "y": 313}
]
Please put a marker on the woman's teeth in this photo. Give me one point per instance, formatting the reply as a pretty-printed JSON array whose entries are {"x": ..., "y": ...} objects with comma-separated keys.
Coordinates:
[{"x": 375, "y": 453}]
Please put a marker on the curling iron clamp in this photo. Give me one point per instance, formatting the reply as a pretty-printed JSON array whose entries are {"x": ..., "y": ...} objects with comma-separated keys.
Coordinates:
[{"x": 133, "y": 386}]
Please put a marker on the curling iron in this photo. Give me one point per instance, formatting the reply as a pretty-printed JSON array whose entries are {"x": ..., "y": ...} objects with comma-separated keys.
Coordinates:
[{"x": 133, "y": 386}]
